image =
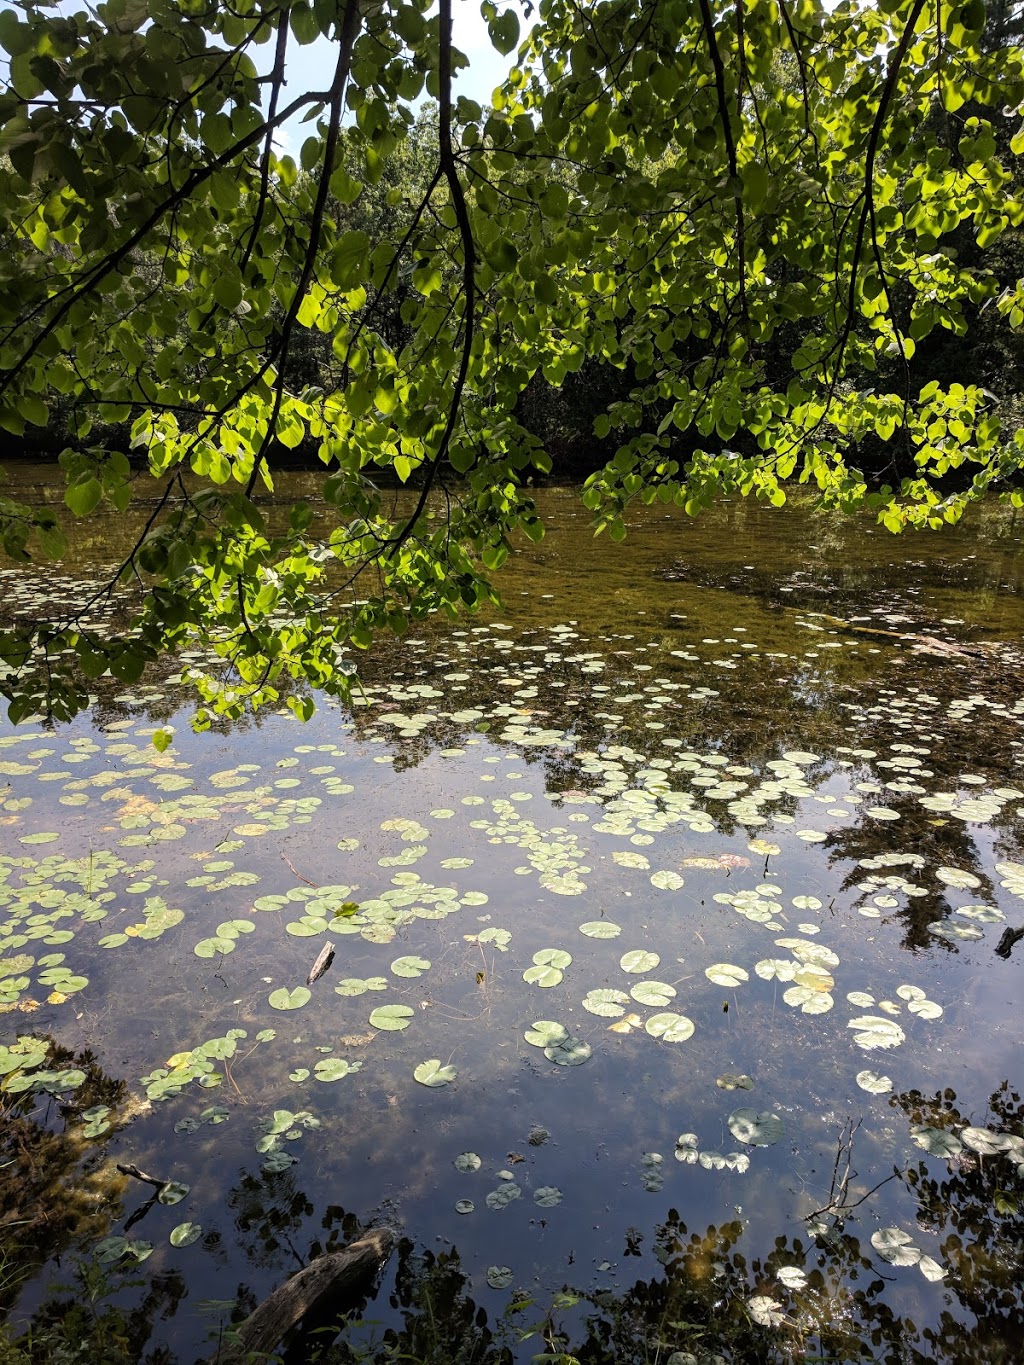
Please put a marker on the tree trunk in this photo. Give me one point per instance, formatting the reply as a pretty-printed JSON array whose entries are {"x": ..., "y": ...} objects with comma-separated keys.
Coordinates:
[{"x": 334, "y": 1274}]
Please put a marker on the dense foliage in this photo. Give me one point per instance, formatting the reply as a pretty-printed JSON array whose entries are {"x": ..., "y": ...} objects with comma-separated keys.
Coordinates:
[{"x": 759, "y": 215}]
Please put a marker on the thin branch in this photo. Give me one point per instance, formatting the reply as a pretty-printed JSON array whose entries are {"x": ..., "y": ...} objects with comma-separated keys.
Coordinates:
[
  {"x": 450, "y": 170},
  {"x": 730, "y": 141}
]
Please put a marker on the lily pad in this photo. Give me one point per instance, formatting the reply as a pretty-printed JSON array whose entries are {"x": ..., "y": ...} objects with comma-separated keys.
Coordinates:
[
  {"x": 334, "y": 1068},
  {"x": 506, "y": 1193},
  {"x": 873, "y": 1083},
  {"x": 808, "y": 1000},
  {"x": 984, "y": 1141},
  {"x": 467, "y": 1161},
  {"x": 656, "y": 993},
  {"x": 552, "y": 957},
  {"x": 547, "y": 1196},
  {"x": 670, "y": 1027},
  {"x": 432, "y": 1073},
  {"x": 173, "y": 1192},
  {"x": 639, "y": 961},
  {"x": 667, "y": 881},
  {"x": 570, "y": 1052},
  {"x": 895, "y": 1246},
  {"x": 766, "y": 1312},
  {"x": 545, "y": 977},
  {"x": 410, "y": 966},
  {"x": 284, "y": 999},
  {"x": 185, "y": 1234},
  {"x": 732, "y": 1080},
  {"x": 546, "y": 1033},
  {"x": 874, "y": 1031},
  {"x": 600, "y": 928},
  {"x": 938, "y": 1142},
  {"x": 756, "y": 1130},
  {"x": 605, "y": 1002},
  {"x": 391, "y": 1018},
  {"x": 957, "y": 878},
  {"x": 499, "y": 1276},
  {"x": 725, "y": 974}
]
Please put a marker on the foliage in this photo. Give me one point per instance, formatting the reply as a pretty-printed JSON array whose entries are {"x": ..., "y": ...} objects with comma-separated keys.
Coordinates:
[{"x": 755, "y": 213}]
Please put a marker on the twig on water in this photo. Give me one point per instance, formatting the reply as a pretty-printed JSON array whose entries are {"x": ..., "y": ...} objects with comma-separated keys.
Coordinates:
[{"x": 297, "y": 873}]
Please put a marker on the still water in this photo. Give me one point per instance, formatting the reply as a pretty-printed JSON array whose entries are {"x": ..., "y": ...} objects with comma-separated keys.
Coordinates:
[{"x": 664, "y": 905}]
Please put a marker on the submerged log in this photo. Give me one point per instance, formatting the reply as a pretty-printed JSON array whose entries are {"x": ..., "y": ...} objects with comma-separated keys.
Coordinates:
[
  {"x": 1005, "y": 945},
  {"x": 336, "y": 1274}
]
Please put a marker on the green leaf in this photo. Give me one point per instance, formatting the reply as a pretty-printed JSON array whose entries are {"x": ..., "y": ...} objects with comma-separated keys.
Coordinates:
[
  {"x": 391, "y": 1018},
  {"x": 433, "y": 1074},
  {"x": 504, "y": 31},
  {"x": 284, "y": 999},
  {"x": 185, "y": 1234}
]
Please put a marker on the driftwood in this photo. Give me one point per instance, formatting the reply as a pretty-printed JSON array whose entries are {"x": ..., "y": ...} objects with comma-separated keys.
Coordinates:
[
  {"x": 323, "y": 961},
  {"x": 133, "y": 1170},
  {"x": 1005, "y": 945},
  {"x": 335, "y": 1274}
]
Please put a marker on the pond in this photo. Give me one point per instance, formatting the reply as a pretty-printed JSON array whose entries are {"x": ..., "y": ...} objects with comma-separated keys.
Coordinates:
[{"x": 665, "y": 1013}]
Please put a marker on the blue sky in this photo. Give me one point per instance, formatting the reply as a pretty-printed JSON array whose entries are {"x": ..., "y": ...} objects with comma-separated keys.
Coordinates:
[{"x": 313, "y": 67}]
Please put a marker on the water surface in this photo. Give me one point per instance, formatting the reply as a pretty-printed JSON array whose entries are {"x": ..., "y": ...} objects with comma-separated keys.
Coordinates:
[{"x": 780, "y": 753}]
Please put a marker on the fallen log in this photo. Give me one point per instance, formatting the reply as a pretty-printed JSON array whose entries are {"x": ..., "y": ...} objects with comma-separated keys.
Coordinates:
[
  {"x": 1005, "y": 945},
  {"x": 324, "y": 959},
  {"x": 335, "y": 1274}
]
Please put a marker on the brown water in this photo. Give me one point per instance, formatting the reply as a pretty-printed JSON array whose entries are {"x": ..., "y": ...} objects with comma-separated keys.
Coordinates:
[{"x": 562, "y": 764}]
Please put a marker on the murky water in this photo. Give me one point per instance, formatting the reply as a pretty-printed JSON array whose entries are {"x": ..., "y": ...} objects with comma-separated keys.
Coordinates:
[{"x": 772, "y": 762}]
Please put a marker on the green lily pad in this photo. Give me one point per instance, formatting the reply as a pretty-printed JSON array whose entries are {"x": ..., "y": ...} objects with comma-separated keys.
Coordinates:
[
  {"x": 545, "y": 977},
  {"x": 547, "y": 1196},
  {"x": 464, "y": 1206},
  {"x": 410, "y": 966},
  {"x": 938, "y": 1142},
  {"x": 665, "y": 880},
  {"x": 499, "y": 1276},
  {"x": 467, "y": 1161},
  {"x": 732, "y": 1080},
  {"x": 185, "y": 1234},
  {"x": 656, "y": 993},
  {"x": 433, "y": 1074},
  {"x": 756, "y": 1130},
  {"x": 984, "y": 1141},
  {"x": 391, "y": 1018},
  {"x": 725, "y": 974},
  {"x": 875, "y": 1031},
  {"x": 211, "y": 947},
  {"x": 873, "y": 1083},
  {"x": 895, "y": 1246},
  {"x": 354, "y": 985},
  {"x": 173, "y": 1192},
  {"x": 284, "y": 999},
  {"x": 506, "y": 1193},
  {"x": 606, "y": 1003},
  {"x": 639, "y": 961},
  {"x": 670, "y": 1027},
  {"x": 600, "y": 928},
  {"x": 570, "y": 1052},
  {"x": 552, "y": 957},
  {"x": 546, "y": 1033},
  {"x": 334, "y": 1068}
]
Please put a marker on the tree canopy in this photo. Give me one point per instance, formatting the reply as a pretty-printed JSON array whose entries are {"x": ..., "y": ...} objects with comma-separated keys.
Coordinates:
[{"x": 761, "y": 214}]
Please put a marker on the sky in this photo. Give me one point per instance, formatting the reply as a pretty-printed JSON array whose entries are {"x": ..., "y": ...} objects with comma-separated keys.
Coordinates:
[{"x": 312, "y": 67}]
